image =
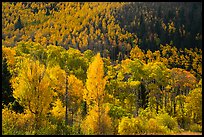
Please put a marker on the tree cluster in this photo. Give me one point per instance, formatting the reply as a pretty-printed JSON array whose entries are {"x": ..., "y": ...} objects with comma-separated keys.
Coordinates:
[
  {"x": 70, "y": 92},
  {"x": 101, "y": 68}
]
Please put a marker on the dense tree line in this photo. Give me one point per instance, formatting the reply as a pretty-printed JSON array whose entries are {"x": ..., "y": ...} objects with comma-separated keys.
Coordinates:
[
  {"x": 164, "y": 22},
  {"x": 101, "y": 68},
  {"x": 50, "y": 83},
  {"x": 110, "y": 28}
]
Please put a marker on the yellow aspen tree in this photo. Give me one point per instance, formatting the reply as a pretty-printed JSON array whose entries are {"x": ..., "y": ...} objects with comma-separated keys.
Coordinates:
[
  {"x": 57, "y": 77},
  {"x": 90, "y": 124},
  {"x": 58, "y": 110},
  {"x": 95, "y": 83},
  {"x": 75, "y": 97},
  {"x": 32, "y": 89},
  {"x": 136, "y": 52},
  {"x": 75, "y": 94},
  {"x": 9, "y": 54},
  {"x": 94, "y": 96}
]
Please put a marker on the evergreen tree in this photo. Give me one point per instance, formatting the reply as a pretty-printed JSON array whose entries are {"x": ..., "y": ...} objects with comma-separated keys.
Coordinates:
[{"x": 18, "y": 24}]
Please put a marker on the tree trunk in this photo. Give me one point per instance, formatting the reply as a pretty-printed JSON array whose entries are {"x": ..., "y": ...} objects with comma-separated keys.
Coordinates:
[
  {"x": 66, "y": 101},
  {"x": 136, "y": 103}
]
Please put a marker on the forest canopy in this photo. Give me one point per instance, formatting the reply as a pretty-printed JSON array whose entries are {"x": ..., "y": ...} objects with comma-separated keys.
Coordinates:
[{"x": 101, "y": 68}]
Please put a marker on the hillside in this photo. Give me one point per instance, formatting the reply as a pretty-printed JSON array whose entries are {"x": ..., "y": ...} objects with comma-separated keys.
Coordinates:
[
  {"x": 107, "y": 25},
  {"x": 101, "y": 68}
]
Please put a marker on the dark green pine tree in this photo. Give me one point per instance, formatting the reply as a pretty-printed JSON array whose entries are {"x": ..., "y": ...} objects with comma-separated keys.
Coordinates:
[
  {"x": 6, "y": 85},
  {"x": 18, "y": 24},
  {"x": 7, "y": 93},
  {"x": 47, "y": 11}
]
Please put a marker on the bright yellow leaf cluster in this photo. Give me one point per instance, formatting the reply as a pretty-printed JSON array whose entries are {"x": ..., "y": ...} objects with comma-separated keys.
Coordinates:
[
  {"x": 95, "y": 81},
  {"x": 32, "y": 87}
]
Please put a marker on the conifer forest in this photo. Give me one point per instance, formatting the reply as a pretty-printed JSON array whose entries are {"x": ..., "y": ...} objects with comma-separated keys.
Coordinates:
[{"x": 101, "y": 68}]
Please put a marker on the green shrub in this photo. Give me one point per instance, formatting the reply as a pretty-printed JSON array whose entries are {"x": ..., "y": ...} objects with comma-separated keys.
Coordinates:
[
  {"x": 168, "y": 121},
  {"x": 138, "y": 126},
  {"x": 196, "y": 128},
  {"x": 75, "y": 129},
  {"x": 146, "y": 114},
  {"x": 131, "y": 126},
  {"x": 15, "y": 123},
  {"x": 124, "y": 126},
  {"x": 48, "y": 129},
  {"x": 154, "y": 127}
]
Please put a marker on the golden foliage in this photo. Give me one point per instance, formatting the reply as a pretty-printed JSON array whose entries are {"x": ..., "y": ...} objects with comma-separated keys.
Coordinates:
[
  {"x": 95, "y": 81},
  {"x": 58, "y": 110},
  {"x": 9, "y": 54},
  {"x": 97, "y": 121},
  {"x": 32, "y": 87}
]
